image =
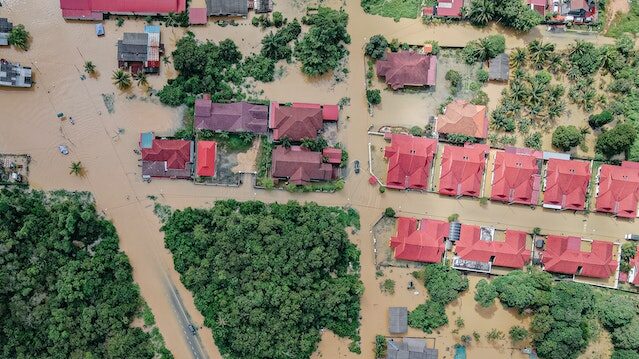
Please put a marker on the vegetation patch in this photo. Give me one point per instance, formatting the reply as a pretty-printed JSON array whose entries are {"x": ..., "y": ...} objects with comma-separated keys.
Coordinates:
[
  {"x": 234, "y": 142},
  {"x": 395, "y": 9},
  {"x": 625, "y": 22},
  {"x": 67, "y": 290},
  {"x": 269, "y": 277}
]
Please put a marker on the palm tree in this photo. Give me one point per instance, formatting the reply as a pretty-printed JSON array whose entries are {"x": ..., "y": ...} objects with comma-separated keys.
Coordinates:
[
  {"x": 121, "y": 79},
  {"x": 286, "y": 142},
  {"x": 481, "y": 12},
  {"x": 540, "y": 52},
  {"x": 166, "y": 60},
  {"x": 171, "y": 20},
  {"x": 272, "y": 49},
  {"x": 89, "y": 67},
  {"x": 518, "y": 58},
  {"x": 140, "y": 77},
  {"x": 579, "y": 48},
  {"x": 76, "y": 168},
  {"x": 19, "y": 37}
]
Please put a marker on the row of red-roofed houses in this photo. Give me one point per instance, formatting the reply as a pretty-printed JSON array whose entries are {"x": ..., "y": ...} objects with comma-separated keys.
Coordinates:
[
  {"x": 519, "y": 175},
  {"x": 480, "y": 249},
  {"x": 174, "y": 158}
]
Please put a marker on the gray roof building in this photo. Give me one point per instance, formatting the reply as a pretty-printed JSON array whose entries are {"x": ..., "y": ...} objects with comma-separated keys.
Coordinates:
[
  {"x": 499, "y": 68},
  {"x": 133, "y": 47},
  {"x": 5, "y": 29},
  {"x": 397, "y": 320},
  {"x": 227, "y": 7},
  {"x": 409, "y": 348},
  {"x": 262, "y": 6},
  {"x": 14, "y": 75}
]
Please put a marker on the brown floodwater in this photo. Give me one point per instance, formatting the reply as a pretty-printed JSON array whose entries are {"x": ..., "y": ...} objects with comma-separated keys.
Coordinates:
[{"x": 28, "y": 124}]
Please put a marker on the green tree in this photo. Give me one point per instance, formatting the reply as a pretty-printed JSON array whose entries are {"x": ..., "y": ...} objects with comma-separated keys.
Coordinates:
[
  {"x": 624, "y": 354},
  {"x": 376, "y": 47},
  {"x": 455, "y": 80},
  {"x": 523, "y": 290},
  {"x": 539, "y": 53},
  {"x": 443, "y": 283},
  {"x": 20, "y": 37},
  {"x": 617, "y": 311},
  {"x": 617, "y": 140},
  {"x": 278, "y": 19},
  {"x": 89, "y": 67},
  {"x": 416, "y": 131},
  {"x": 485, "y": 293},
  {"x": 517, "y": 333},
  {"x": 141, "y": 79},
  {"x": 597, "y": 120},
  {"x": 627, "y": 336},
  {"x": 389, "y": 212},
  {"x": 428, "y": 316},
  {"x": 481, "y": 12},
  {"x": 76, "y": 169},
  {"x": 374, "y": 97},
  {"x": 566, "y": 137},
  {"x": 121, "y": 79},
  {"x": 484, "y": 49}
]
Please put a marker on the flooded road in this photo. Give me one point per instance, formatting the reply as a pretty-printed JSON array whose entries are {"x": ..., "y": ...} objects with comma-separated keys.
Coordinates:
[{"x": 28, "y": 125}]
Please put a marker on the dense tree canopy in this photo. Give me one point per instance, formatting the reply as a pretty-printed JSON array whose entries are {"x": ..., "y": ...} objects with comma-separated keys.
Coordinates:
[
  {"x": 566, "y": 137},
  {"x": 523, "y": 290},
  {"x": 268, "y": 277},
  {"x": 617, "y": 140},
  {"x": 67, "y": 290},
  {"x": 376, "y": 47},
  {"x": 510, "y": 13},
  {"x": 322, "y": 48},
  {"x": 484, "y": 49},
  {"x": 485, "y": 293}
]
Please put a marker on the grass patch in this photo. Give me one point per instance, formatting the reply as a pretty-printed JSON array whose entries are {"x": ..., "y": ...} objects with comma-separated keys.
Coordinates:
[
  {"x": 395, "y": 9},
  {"x": 234, "y": 142},
  {"x": 625, "y": 23}
]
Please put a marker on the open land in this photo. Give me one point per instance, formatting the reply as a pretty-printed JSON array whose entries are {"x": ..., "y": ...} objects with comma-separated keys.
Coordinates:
[{"x": 57, "y": 55}]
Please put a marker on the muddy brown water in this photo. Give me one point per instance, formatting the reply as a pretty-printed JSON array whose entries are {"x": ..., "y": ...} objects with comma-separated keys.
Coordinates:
[{"x": 28, "y": 125}]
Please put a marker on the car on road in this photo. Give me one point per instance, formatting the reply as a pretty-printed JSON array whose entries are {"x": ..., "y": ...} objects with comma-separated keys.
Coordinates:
[
  {"x": 192, "y": 329},
  {"x": 357, "y": 166},
  {"x": 632, "y": 237},
  {"x": 63, "y": 149}
]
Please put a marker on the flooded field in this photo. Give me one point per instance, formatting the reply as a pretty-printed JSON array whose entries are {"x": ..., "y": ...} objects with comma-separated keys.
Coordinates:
[{"x": 104, "y": 141}]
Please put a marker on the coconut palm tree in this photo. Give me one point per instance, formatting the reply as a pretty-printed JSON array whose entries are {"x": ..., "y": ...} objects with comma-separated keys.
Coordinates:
[
  {"x": 518, "y": 58},
  {"x": 121, "y": 79},
  {"x": 89, "y": 67},
  {"x": 481, "y": 12},
  {"x": 539, "y": 52},
  {"x": 171, "y": 20},
  {"x": 166, "y": 60},
  {"x": 76, "y": 169},
  {"x": 141, "y": 79}
]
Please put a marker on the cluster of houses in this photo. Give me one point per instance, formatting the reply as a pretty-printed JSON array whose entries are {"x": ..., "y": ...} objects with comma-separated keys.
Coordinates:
[
  {"x": 554, "y": 11},
  {"x": 171, "y": 158},
  {"x": 199, "y": 10},
  {"x": 11, "y": 74},
  {"x": 518, "y": 175},
  {"x": 480, "y": 249}
]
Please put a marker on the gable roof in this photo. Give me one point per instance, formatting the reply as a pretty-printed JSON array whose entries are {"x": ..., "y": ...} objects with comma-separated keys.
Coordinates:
[
  {"x": 449, "y": 8},
  {"x": 516, "y": 178},
  {"x": 511, "y": 252},
  {"x": 499, "y": 68},
  {"x": 421, "y": 241},
  {"x": 618, "y": 190},
  {"x": 133, "y": 47},
  {"x": 464, "y": 118},
  {"x": 227, "y": 7},
  {"x": 299, "y": 165},
  {"x": 566, "y": 184},
  {"x": 409, "y": 161},
  {"x": 167, "y": 158},
  {"x": 333, "y": 155},
  {"x": 206, "y": 152},
  {"x": 231, "y": 117},
  {"x": 294, "y": 122},
  {"x": 94, "y": 9},
  {"x": 564, "y": 255},
  {"x": 462, "y": 170},
  {"x": 407, "y": 68}
]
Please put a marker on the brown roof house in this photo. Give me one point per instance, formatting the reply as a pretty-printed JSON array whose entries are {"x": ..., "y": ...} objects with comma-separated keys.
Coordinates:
[
  {"x": 231, "y": 117},
  {"x": 300, "y": 166},
  {"x": 407, "y": 68},
  {"x": 165, "y": 157},
  {"x": 464, "y": 118},
  {"x": 300, "y": 120}
]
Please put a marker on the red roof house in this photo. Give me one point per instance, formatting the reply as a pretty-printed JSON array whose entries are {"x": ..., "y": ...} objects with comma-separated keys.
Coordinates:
[
  {"x": 516, "y": 178},
  {"x": 407, "y": 68},
  {"x": 462, "y": 170},
  {"x": 95, "y": 9},
  {"x": 231, "y": 117},
  {"x": 566, "y": 184},
  {"x": 409, "y": 161},
  {"x": 511, "y": 253},
  {"x": 464, "y": 118},
  {"x": 299, "y": 165},
  {"x": 300, "y": 120},
  {"x": 167, "y": 158},
  {"x": 539, "y": 6},
  {"x": 205, "y": 164},
  {"x": 333, "y": 155},
  {"x": 564, "y": 255},
  {"x": 618, "y": 190},
  {"x": 449, "y": 8},
  {"x": 420, "y": 241}
]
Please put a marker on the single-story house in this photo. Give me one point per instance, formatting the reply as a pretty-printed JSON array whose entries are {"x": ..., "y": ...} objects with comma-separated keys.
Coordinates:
[
  {"x": 5, "y": 29},
  {"x": 205, "y": 158},
  {"x": 618, "y": 189},
  {"x": 299, "y": 165},
  {"x": 566, "y": 184},
  {"x": 464, "y": 118},
  {"x": 409, "y": 348},
  {"x": 165, "y": 157},
  {"x": 499, "y": 68},
  {"x": 516, "y": 176},
  {"x": 565, "y": 255},
  {"x": 14, "y": 75},
  {"x": 410, "y": 160},
  {"x": 300, "y": 120},
  {"x": 462, "y": 170},
  {"x": 419, "y": 241},
  {"x": 479, "y": 244},
  {"x": 539, "y": 6},
  {"x": 407, "y": 68},
  {"x": 96, "y": 9},
  {"x": 397, "y": 320},
  {"x": 227, "y": 7},
  {"x": 141, "y": 51},
  {"x": 231, "y": 117}
]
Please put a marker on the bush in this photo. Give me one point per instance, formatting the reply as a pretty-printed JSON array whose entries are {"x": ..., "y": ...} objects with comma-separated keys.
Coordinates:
[
  {"x": 455, "y": 80},
  {"x": 374, "y": 97},
  {"x": 376, "y": 47},
  {"x": 482, "y": 76},
  {"x": 566, "y": 137},
  {"x": 533, "y": 140},
  {"x": 428, "y": 316},
  {"x": 388, "y": 286},
  {"x": 459, "y": 139},
  {"x": 518, "y": 333},
  {"x": 495, "y": 335},
  {"x": 389, "y": 212},
  {"x": 20, "y": 37},
  {"x": 260, "y": 68},
  {"x": 278, "y": 19},
  {"x": 481, "y": 98},
  {"x": 485, "y": 293},
  {"x": 617, "y": 140},
  {"x": 416, "y": 131},
  {"x": 598, "y": 120},
  {"x": 453, "y": 218}
]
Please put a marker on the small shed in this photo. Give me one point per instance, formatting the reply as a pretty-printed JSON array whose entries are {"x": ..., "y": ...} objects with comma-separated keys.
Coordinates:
[
  {"x": 99, "y": 29},
  {"x": 397, "y": 320},
  {"x": 499, "y": 68}
]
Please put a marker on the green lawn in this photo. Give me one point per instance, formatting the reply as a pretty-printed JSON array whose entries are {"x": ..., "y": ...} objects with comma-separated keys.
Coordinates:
[{"x": 393, "y": 8}]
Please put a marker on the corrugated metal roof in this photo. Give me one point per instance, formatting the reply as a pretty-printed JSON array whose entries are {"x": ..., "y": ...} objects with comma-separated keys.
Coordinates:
[{"x": 227, "y": 7}]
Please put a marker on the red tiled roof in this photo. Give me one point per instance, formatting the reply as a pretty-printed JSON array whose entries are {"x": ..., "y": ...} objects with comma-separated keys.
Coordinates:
[
  {"x": 566, "y": 184},
  {"x": 330, "y": 112},
  {"x": 428, "y": 10},
  {"x": 407, "y": 68},
  {"x": 618, "y": 190},
  {"x": 464, "y": 118},
  {"x": 167, "y": 158},
  {"x": 421, "y": 241},
  {"x": 449, "y": 8},
  {"x": 579, "y": 4},
  {"x": 462, "y": 170},
  {"x": 516, "y": 178},
  {"x": 295, "y": 122},
  {"x": 198, "y": 15},
  {"x": 206, "y": 151},
  {"x": 564, "y": 255},
  {"x": 299, "y": 165},
  {"x": 511, "y": 252},
  {"x": 334, "y": 155},
  {"x": 409, "y": 161},
  {"x": 93, "y": 9},
  {"x": 231, "y": 117}
]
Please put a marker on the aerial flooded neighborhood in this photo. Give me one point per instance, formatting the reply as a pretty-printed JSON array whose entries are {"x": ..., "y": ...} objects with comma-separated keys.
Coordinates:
[{"x": 319, "y": 179}]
